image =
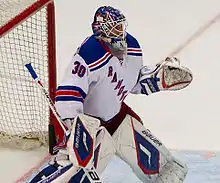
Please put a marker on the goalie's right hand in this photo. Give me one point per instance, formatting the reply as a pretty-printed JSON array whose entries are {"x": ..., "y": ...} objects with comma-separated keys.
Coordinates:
[{"x": 167, "y": 75}]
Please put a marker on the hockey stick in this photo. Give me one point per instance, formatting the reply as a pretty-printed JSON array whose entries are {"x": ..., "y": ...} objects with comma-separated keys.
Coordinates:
[
  {"x": 47, "y": 96},
  {"x": 194, "y": 36}
]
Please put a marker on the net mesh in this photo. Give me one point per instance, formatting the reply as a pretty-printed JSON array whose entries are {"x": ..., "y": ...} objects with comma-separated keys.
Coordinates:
[
  {"x": 24, "y": 113},
  {"x": 10, "y": 8}
]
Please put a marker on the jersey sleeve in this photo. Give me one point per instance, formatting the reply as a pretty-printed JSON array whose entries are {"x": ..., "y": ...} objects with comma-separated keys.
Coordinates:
[
  {"x": 72, "y": 91},
  {"x": 135, "y": 52},
  {"x": 137, "y": 88}
]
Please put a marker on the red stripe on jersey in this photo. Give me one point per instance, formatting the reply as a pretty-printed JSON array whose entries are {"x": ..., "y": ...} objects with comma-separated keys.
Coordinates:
[
  {"x": 68, "y": 93},
  {"x": 99, "y": 61},
  {"x": 135, "y": 50}
]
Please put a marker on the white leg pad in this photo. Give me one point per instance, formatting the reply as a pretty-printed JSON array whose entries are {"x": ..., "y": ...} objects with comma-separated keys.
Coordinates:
[
  {"x": 81, "y": 143},
  {"x": 149, "y": 159},
  {"x": 105, "y": 150}
]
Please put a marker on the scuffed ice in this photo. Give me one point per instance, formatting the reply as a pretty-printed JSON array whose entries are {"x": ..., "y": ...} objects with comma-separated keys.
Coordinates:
[{"x": 204, "y": 167}]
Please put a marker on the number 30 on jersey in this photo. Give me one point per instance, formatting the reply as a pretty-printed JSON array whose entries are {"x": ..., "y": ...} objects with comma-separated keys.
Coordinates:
[{"x": 78, "y": 69}]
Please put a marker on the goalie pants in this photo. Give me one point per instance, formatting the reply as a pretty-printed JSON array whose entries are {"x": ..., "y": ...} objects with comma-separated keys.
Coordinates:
[{"x": 115, "y": 122}]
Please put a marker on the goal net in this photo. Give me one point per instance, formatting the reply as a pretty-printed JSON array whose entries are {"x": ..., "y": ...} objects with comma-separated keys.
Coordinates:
[{"x": 26, "y": 35}]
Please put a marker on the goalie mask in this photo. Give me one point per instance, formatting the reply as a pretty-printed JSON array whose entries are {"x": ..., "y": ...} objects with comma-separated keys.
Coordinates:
[{"x": 109, "y": 25}]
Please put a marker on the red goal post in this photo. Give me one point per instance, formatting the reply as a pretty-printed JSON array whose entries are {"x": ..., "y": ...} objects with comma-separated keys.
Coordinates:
[{"x": 27, "y": 33}]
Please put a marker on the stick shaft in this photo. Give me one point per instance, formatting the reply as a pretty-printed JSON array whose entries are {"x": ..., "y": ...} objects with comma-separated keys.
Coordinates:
[{"x": 46, "y": 94}]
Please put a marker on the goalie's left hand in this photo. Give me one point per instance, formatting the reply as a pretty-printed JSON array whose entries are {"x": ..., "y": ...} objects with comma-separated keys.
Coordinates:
[{"x": 167, "y": 75}]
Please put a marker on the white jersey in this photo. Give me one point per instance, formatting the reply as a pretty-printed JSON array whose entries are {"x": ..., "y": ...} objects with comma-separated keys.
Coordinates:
[{"x": 96, "y": 82}]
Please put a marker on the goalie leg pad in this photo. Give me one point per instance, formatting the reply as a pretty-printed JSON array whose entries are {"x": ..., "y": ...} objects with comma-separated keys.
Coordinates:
[
  {"x": 86, "y": 175},
  {"x": 58, "y": 174},
  {"x": 81, "y": 143},
  {"x": 145, "y": 154},
  {"x": 105, "y": 150},
  {"x": 54, "y": 173}
]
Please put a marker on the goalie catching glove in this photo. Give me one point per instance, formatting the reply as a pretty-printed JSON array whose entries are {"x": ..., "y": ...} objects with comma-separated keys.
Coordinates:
[{"x": 167, "y": 75}]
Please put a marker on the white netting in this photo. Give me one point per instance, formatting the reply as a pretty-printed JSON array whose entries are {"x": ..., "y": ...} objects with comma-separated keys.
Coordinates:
[
  {"x": 10, "y": 8},
  {"x": 24, "y": 114}
]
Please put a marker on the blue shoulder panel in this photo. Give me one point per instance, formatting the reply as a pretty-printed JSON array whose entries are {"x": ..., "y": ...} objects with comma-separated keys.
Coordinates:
[
  {"x": 94, "y": 54},
  {"x": 134, "y": 48},
  {"x": 91, "y": 50},
  {"x": 132, "y": 41}
]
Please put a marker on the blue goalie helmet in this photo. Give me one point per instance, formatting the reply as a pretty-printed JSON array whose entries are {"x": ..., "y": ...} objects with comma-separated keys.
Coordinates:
[{"x": 110, "y": 25}]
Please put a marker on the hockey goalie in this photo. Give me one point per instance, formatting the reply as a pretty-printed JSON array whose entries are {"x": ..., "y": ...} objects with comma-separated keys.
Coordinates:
[{"x": 108, "y": 66}]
